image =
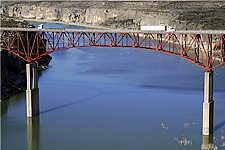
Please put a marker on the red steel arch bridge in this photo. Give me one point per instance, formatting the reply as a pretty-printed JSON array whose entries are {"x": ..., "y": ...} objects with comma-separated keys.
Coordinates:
[{"x": 204, "y": 48}]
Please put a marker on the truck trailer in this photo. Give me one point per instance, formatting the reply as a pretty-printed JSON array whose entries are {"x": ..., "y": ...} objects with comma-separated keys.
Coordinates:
[{"x": 161, "y": 28}]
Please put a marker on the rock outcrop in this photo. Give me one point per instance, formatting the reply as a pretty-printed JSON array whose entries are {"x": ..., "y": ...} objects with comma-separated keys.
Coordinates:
[
  {"x": 181, "y": 15},
  {"x": 13, "y": 76},
  {"x": 129, "y": 15}
]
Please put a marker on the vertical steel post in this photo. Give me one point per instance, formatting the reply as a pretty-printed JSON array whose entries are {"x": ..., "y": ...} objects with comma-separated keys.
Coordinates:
[
  {"x": 223, "y": 47},
  {"x": 53, "y": 41},
  {"x": 208, "y": 104},
  {"x": 115, "y": 39},
  {"x": 138, "y": 40}
]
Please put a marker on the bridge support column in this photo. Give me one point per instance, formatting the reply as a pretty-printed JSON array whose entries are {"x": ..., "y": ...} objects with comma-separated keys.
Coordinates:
[
  {"x": 32, "y": 92},
  {"x": 208, "y": 104}
]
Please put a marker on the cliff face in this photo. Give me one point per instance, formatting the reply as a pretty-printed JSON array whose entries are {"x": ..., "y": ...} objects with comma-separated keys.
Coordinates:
[
  {"x": 181, "y": 15},
  {"x": 130, "y": 15},
  {"x": 13, "y": 76}
]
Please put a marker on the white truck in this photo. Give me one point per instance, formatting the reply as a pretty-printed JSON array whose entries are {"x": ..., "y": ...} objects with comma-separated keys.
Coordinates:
[
  {"x": 162, "y": 28},
  {"x": 40, "y": 26}
]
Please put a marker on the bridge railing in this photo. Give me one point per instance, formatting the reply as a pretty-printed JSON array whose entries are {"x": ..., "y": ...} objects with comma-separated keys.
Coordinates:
[{"x": 207, "y": 50}]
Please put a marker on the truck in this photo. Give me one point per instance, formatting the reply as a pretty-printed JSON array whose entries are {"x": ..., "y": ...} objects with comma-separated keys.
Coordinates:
[
  {"x": 40, "y": 26},
  {"x": 163, "y": 28}
]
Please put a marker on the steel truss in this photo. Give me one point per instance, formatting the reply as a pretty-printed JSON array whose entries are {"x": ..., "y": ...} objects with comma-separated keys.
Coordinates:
[{"x": 205, "y": 50}]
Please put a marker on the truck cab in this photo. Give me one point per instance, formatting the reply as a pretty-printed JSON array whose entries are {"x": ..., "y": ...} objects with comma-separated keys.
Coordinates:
[
  {"x": 160, "y": 28},
  {"x": 169, "y": 29},
  {"x": 40, "y": 26}
]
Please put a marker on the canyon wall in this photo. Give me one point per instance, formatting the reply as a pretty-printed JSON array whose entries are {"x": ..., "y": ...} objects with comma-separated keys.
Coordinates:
[{"x": 181, "y": 15}]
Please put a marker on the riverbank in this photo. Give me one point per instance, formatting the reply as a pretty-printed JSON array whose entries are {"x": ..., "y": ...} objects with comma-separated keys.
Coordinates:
[
  {"x": 191, "y": 15},
  {"x": 122, "y": 15},
  {"x": 65, "y": 23}
]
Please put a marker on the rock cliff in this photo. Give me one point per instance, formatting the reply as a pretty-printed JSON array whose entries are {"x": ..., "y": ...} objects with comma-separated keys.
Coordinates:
[
  {"x": 181, "y": 15},
  {"x": 129, "y": 15},
  {"x": 13, "y": 77}
]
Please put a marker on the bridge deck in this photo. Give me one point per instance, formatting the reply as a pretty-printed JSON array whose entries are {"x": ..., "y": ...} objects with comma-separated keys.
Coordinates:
[
  {"x": 114, "y": 30},
  {"x": 205, "y": 48}
]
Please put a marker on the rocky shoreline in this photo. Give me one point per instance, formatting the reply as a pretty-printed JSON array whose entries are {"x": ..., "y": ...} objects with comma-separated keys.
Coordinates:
[
  {"x": 181, "y": 15},
  {"x": 65, "y": 23},
  {"x": 104, "y": 15}
]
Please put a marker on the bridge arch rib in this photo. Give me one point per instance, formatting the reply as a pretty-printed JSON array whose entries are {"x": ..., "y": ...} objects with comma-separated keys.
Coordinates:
[{"x": 206, "y": 50}]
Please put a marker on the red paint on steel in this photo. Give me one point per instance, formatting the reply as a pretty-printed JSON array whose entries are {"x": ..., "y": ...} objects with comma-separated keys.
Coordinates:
[{"x": 204, "y": 50}]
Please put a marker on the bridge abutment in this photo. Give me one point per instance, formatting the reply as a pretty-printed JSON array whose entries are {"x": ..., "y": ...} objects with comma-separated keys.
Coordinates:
[
  {"x": 208, "y": 104},
  {"x": 32, "y": 92}
]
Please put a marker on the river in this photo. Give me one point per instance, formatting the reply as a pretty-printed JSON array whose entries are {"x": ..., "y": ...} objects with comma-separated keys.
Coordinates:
[{"x": 115, "y": 99}]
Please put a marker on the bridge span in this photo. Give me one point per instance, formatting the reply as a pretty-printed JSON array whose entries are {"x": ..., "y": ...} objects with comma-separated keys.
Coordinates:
[{"x": 205, "y": 49}]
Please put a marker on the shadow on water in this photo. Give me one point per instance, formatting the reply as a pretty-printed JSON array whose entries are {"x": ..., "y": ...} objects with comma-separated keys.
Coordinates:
[
  {"x": 172, "y": 88},
  {"x": 69, "y": 104},
  {"x": 33, "y": 133},
  {"x": 219, "y": 126}
]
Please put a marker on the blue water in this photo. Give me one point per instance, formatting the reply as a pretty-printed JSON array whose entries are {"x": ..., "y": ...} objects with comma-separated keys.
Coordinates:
[{"x": 115, "y": 99}]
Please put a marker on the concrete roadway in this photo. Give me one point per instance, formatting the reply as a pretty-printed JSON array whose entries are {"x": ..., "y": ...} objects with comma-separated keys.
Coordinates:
[{"x": 115, "y": 31}]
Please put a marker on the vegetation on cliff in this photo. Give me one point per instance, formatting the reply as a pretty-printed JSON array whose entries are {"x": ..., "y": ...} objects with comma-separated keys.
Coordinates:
[
  {"x": 179, "y": 14},
  {"x": 129, "y": 15}
]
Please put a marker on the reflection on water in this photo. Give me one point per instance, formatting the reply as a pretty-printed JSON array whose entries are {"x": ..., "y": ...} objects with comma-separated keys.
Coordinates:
[
  {"x": 207, "y": 143},
  {"x": 14, "y": 100},
  {"x": 33, "y": 133},
  {"x": 4, "y": 107}
]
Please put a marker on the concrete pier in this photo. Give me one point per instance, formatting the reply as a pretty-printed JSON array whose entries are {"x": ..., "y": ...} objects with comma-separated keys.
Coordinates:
[
  {"x": 32, "y": 92},
  {"x": 208, "y": 104}
]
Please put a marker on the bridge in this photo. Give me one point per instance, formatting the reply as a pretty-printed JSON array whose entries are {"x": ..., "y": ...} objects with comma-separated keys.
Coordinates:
[{"x": 205, "y": 49}]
